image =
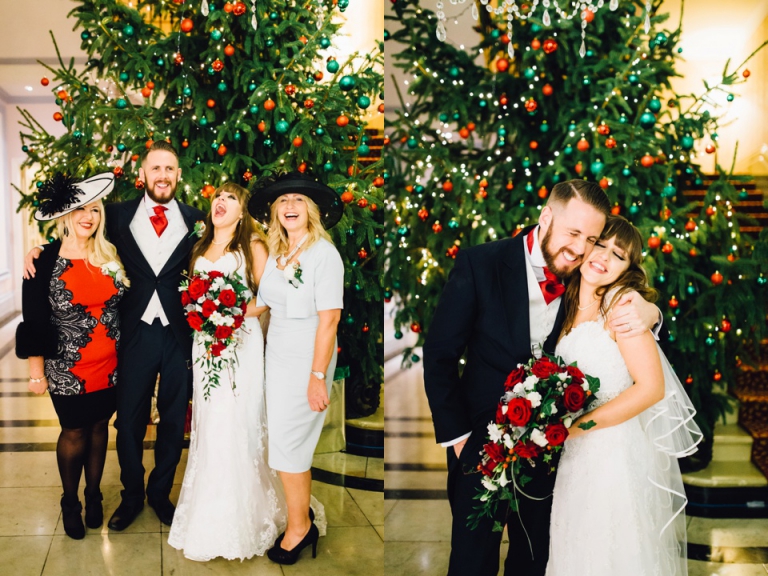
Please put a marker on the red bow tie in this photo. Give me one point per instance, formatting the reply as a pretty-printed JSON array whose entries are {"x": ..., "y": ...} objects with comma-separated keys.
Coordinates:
[
  {"x": 551, "y": 287},
  {"x": 159, "y": 221}
]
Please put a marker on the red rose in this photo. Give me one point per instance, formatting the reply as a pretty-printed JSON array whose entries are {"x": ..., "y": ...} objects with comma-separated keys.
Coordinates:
[
  {"x": 217, "y": 348},
  {"x": 185, "y": 298},
  {"x": 238, "y": 321},
  {"x": 519, "y": 411},
  {"x": 487, "y": 468},
  {"x": 209, "y": 308},
  {"x": 215, "y": 274},
  {"x": 515, "y": 377},
  {"x": 495, "y": 452},
  {"x": 577, "y": 376},
  {"x": 228, "y": 298},
  {"x": 223, "y": 332},
  {"x": 195, "y": 321},
  {"x": 244, "y": 307},
  {"x": 527, "y": 449},
  {"x": 556, "y": 434},
  {"x": 573, "y": 397},
  {"x": 501, "y": 417},
  {"x": 198, "y": 287},
  {"x": 544, "y": 368}
]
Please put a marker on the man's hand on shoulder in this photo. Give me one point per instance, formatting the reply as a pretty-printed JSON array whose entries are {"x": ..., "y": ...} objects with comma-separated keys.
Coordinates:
[{"x": 29, "y": 262}]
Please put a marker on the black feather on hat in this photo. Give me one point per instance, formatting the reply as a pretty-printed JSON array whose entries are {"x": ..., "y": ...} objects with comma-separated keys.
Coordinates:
[{"x": 57, "y": 194}]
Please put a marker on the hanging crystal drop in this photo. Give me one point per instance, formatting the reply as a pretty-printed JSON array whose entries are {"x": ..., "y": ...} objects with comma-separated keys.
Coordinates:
[
  {"x": 546, "y": 21},
  {"x": 614, "y": 4},
  {"x": 441, "y": 33},
  {"x": 254, "y": 22},
  {"x": 510, "y": 50},
  {"x": 583, "y": 49},
  {"x": 475, "y": 15},
  {"x": 204, "y": 8},
  {"x": 647, "y": 23}
]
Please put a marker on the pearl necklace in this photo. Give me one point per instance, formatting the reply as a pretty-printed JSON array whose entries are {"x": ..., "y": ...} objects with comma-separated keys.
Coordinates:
[
  {"x": 587, "y": 306},
  {"x": 283, "y": 260},
  {"x": 220, "y": 243}
]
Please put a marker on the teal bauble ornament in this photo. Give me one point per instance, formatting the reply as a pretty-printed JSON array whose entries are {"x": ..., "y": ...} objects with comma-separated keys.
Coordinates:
[
  {"x": 324, "y": 42},
  {"x": 121, "y": 147},
  {"x": 415, "y": 357},
  {"x": 502, "y": 132},
  {"x": 222, "y": 86},
  {"x": 686, "y": 142},
  {"x": 214, "y": 145},
  {"x": 128, "y": 30},
  {"x": 211, "y": 71},
  {"x": 378, "y": 242},
  {"x": 526, "y": 163},
  {"x": 544, "y": 127},
  {"x": 349, "y": 320},
  {"x": 697, "y": 181},
  {"x": 204, "y": 122},
  {"x": 622, "y": 119},
  {"x": 662, "y": 278},
  {"x": 121, "y": 103},
  {"x": 586, "y": 81},
  {"x": 654, "y": 105},
  {"x": 668, "y": 191},
  {"x": 160, "y": 62},
  {"x": 454, "y": 72},
  {"x": 253, "y": 109},
  {"x": 590, "y": 53},
  {"x": 77, "y": 134},
  {"x": 761, "y": 280},
  {"x": 568, "y": 150},
  {"x": 332, "y": 66},
  {"x": 648, "y": 192},
  {"x": 252, "y": 86},
  {"x": 691, "y": 289},
  {"x": 529, "y": 187},
  {"x": 25, "y": 148},
  {"x": 59, "y": 101},
  {"x": 123, "y": 76},
  {"x": 556, "y": 178},
  {"x": 268, "y": 143},
  {"x": 529, "y": 73},
  {"x": 571, "y": 127},
  {"x": 39, "y": 184},
  {"x": 281, "y": 127},
  {"x": 270, "y": 42},
  {"x": 320, "y": 131},
  {"x": 456, "y": 116},
  {"x": 187, "y": 91},
  {"x": 632, "y": 78},
  {"x": 139, "y": 75},
  {"x": 647, "y": 120},
  {"x": 709, "y": 341},
  {"x": 273, "y": 16},
  {"x": 743, "y": 195},
  {"x": 729, "y": 97},
  {"x": 238, "y": 136},
  {"x": 412, "y": 142},
  {"x": 596, "y": 167},
  {"x": 85, "y": 35},
  {"x": 661, "y": 39},
  {"x": 310, "y": 80},
  {"x": 453, "y": 224},
  {"x": 328, "y": 166},
  {"x": 398, "y": 335},
  {"x": 363, "y": 102},
  {"x": 179, "y": 100},
  {"x": 419, "y": 189},
  {"x": 679, "y": 50},
  {"x": 482, "y": 103},
  {"x": 535, "y": 28},
  {"x": 634, "y": 209},
  {"x": 495, "y": 33},
  {"x": 216, "y": 34},
  {"x": 626, "y": 172},
  {"x": 443, "y": 117},
  {"x": 347, "y": 83},
  {"x": 403, "y": 231},
  {"x": 363, "y": 150}
]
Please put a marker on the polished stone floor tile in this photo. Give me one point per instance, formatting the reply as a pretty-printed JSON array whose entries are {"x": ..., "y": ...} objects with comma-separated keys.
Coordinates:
[
  {"x": 35, "y": 434},
  {"x": 696, "y": 568},
  {"x": 23, "y": 555},
  {"x": 419, "y": 521},
  {"x": 375, "y": 468},
  {"x": 416, "y": 480},
  {"x": 413, "y": 450},
  {"x": 347, "y": 464},
  {"x": 371, "y": 503},
  {"x": 380, "y": 531},
  {"x": 29, "y": 469},
  {"x": 416, "y": 558},
  {"x": 388, "y": 505},
  {"x": 175, "y": 564},
  {"x": 100, "y": 554},
  {"x": 349, "y": 551},
  {"x": 29, "y": 511},
  {"x": 742, "y": 532},
  {"x": 340, "y": 508},
  {"x": 31, "y": 408}
]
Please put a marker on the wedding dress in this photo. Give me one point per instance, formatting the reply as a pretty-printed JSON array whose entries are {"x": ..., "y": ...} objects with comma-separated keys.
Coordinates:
[
  {"x": 618, "y": 504},
  {"x": 231, "y": 504}
]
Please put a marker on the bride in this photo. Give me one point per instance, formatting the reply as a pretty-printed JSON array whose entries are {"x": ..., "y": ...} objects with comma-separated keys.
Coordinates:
[
  {"x": 231, "y": 503},
  {"x": 618, "y": 505}
]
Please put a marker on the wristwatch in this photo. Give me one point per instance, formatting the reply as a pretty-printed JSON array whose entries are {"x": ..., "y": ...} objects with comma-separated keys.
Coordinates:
[{"x": 317, "y": 374}]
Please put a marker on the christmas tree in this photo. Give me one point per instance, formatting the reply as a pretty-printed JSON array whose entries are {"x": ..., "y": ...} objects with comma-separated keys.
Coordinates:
[
  {"x": 241, "y": 91},
  {"x": 476, "y": 149}
]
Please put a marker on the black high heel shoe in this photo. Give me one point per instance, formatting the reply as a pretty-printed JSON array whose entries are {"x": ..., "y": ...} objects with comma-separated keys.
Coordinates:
[{"x": 281, "y": 556}]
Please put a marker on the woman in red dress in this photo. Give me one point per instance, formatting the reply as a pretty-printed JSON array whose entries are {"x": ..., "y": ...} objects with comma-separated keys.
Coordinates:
[{"x": 70, "y": 335}]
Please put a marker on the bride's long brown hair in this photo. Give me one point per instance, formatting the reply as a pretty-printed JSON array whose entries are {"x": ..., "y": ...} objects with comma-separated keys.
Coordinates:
[
  {"x": 628, "y": 238},
  {"x": 247, "y": 230}
]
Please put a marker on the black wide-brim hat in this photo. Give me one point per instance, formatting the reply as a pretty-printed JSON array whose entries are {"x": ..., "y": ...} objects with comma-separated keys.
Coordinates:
[
  {"x": 329, "y": 203},
  {"x": 61, "y": 195}
]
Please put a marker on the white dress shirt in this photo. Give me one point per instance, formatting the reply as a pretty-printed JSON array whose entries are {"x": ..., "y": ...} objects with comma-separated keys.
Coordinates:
[{"x": 157, "y": 249}]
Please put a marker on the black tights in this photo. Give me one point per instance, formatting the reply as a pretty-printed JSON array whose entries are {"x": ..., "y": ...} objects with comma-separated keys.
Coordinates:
[{"x": 80, "y": 448}]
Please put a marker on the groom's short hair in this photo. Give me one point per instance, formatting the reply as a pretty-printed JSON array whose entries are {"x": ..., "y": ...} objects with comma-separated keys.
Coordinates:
[
  {"x": 584, "y": 190},
  {"x": 159, "y": 145}
]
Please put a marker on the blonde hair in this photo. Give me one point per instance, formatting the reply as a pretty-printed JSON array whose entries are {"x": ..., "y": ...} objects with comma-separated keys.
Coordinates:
[
  {"x": 98, "y": 248},
  {"x": 277, "y": 237}
]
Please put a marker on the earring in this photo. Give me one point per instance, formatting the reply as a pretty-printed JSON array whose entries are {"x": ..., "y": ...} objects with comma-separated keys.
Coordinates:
[{"x": 66, "y": 231}]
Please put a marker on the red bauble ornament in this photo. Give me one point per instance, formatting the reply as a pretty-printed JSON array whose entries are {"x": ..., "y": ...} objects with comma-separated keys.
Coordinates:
[
  {"x": 44, "y": 81},
  {"x": 290, "y": 89},
  {"x": 667, "y": 248},
  {"x": 533, "y": 145},
  {"x": 665, "y": 213},
  {"x": 452, "y": 251},
  {"x": 148, "y": 143},
  {"x": 58, "y": 116},
  {"x": 178, "y": 59},
  {"x": 185, "y": 143},
  {"x": 710, "y": 149},
  {"x": 689, "y": 380},
  {"x": 415, "y": 327},
  {"x": 692, "y": 253},
  {"x": 717, "y": 376},
  {"x": 471, "y": 126},
  {"x": 342, "y": 121},
  {"x": 587, "y": 15},
  {"x": 578, "y": 168},
  {"x": 187, "y": 25},
  {"x": 531, "y": 105},
  {"x": 228, "y": 7},
  {"x": 365, "y": 327},
  {"x": 504, "y": 39},
  {"x": 725, "y": 325},
  {"x": 547, "y": 90},
  {"x": 535, "y": 44},
  {"x": 318, "y": 76},
  {"x": 309, "y": 103},
  {"x": 448, "y": 186},
  {"x": 269, "y": 104},
  {"x": 464, "y": 133},
  {"x": 261, "y": 126},
  {"x": 208, "y": 191},
  {"x": 211, "y": 103},
  {"x": 118, "y": 171},
  {"x": 247, "y": 175},
  {"x": 362, "y": 254},
  {"x": 604, "y": 183},
  {"x": 616, "y": 210},
  {"x": 503, "y": 100},
  {"x": 298, "y": 141},
  {"x": 239, "y": 9},
  {"x": 654, "y": 242},
  {"x": 229, "y": 50},
  {"x": 303, "y": 39},
  {"x": 610, "y": 142},
  {"x": 502, "y": 65},
  {"x": 549, "y": 46},
  {"x": 711, "y": 210},
  {"x": 746, "y": 73},
  {"x": 362, "y": 203},
  {"x": 603, "y": 130},
  {"x": 582, "y": 145},
  {"x": 151, "y": 85},
  {"x": 647, "y": 161},
  {"x": 222, "y": 150},
  {"x": 217, "y": 65},
  {"x": 731, "y": 257},
  {"x": 138, "y": 184},
  {"x": 437, "y": 228},
  {"x": 690, "y": 226},
  {"x": 347, "y": 197},
  {"x": 378, "y": 181},
  {"x": 423, "y": 214},
  {"x": 381, "y": 108},
  {"x": 146, "y": 92},
  {"x": 302, "y": 167},
  {"x": 62, "y": 94},
  {"x": 373, "y": 207},
  {"x": 543, "y": 192},
  {"x": 716, "y": 278},
  {"x": 673, "y": 303}
]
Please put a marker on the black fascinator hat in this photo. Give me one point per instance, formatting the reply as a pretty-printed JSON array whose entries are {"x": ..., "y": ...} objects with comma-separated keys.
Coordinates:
[{"x": 62, "y": 194}]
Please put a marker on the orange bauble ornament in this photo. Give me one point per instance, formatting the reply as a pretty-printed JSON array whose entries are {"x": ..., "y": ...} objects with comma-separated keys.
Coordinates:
[
  {"x": 208, "y": 191},
  {"x": 535, "y": 44},
  {"x": 342, "y": 121},
  {"x": 464, "y": 133},
  {"x": 448, "y": 186},
  {"x": 261, "y": 126},
  {"x": 710, "y": 149},
  {"x": 615, "y": 209},
  {"x": 654, "y": 242},
  {"x": 673, "y": 303},
  {"x": 302, "y": 167},
  {"x": 222, "y": 150},
  {"x": 716, "y": 278},
  {"x": 211, "y": 103},
  {"x": 185, "y": 143},
  {"x": 531, "y": 105},
  {"x": 58, "y": 116},
  {"x": 437, "y": 228},
  {"x": 604, "y": 183},
  {"x": 347, "y": 197},
  {"x": 667, "y": 248},
  {"x": 647, "y": 161},
  {"x": 690, "y": 226},
  {"x": 582, "y": 145},
  {"x": 269, "y": 104},
  {"x": 118, "y": 171},
  {"x": 229, "y": 50},
  {"x": 298, "y": 141},
  {"x": 610, "y": 142},
  {"x": 502, "y": 65},
  {"x": 187, "y": 25}
]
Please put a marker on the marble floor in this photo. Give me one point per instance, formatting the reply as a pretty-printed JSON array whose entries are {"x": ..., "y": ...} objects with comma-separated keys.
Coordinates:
[
  {"x": 417, "y": 517},
  {"x": 32, "y": 539}
]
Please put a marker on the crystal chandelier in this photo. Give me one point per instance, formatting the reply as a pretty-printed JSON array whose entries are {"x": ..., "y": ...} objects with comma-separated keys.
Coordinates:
[{"x": 585, "y": 10}]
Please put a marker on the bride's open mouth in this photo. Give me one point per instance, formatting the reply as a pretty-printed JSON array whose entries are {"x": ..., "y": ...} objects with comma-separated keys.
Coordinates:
[
  {"x": 220, "y": 210},
  {"x": 597, "y": 267}
]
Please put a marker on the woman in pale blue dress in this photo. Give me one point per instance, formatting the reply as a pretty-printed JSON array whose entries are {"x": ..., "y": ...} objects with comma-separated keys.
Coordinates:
[{"x": 303, "y": 285}]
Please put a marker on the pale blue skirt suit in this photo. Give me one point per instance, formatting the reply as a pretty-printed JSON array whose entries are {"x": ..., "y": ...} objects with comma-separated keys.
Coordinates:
[{"x": 294, "y": 429}]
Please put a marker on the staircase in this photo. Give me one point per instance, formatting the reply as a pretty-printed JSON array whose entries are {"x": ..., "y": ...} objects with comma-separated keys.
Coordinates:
[
  {"x": 752, "y": 391},
  {"x": 750, "y": 202}
]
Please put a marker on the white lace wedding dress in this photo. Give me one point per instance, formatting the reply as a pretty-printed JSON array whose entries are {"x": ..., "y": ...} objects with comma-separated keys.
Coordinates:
[
  {"x": 609, "y": 515},
  {"x": 231, "y": 503}
]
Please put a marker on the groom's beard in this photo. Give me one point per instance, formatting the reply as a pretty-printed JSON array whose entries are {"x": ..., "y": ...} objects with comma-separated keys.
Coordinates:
[
  {"x": 162, "y": 199},
  {"x": 549, "y": 258}
]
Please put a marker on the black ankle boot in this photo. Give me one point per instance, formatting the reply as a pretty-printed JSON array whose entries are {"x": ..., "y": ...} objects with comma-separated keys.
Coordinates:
[
  {"x": 71, "y": 517},
  {"x": 94, "y": 512}
]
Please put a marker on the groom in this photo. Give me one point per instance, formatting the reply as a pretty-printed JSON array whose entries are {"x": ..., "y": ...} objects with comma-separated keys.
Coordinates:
[{"x": 502, "y": 301}]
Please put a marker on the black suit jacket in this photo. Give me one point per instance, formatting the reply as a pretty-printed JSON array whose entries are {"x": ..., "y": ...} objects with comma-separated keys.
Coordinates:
[
  {"x": 143, "y": 279},
  {"x": 483, "y": 311}
]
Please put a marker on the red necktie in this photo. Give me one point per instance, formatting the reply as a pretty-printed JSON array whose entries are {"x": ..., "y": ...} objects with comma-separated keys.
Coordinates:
[
  {"x": 551, "y": 288},
  {"x": 159, "y": 221}
]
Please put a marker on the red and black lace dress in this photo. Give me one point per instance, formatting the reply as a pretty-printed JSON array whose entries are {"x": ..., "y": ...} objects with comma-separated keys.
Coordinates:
[{"x": 83, "y": 373}]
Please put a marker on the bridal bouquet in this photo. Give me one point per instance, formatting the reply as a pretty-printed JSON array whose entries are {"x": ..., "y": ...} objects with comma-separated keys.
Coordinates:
[
  {"x": 215, "y": 306},
  {"x": 541, "y": 400}
]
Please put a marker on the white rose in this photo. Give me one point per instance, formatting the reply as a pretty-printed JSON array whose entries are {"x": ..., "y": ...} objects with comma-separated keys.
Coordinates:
[
  {"x": 530, "y": 382},
  {"x": 508, "y": 442},
  {"x": 494, "y": 432},
  {"x": 537, "y": 436},
  {"x": 534, "y": 398},
  {"x": 519, "y": 390},
  {"x": 489, "y": 485},
  {"x": 563, "y": 376},
  {"x": 567, "y": 421},
  {"x": 585, "y": 385}
]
